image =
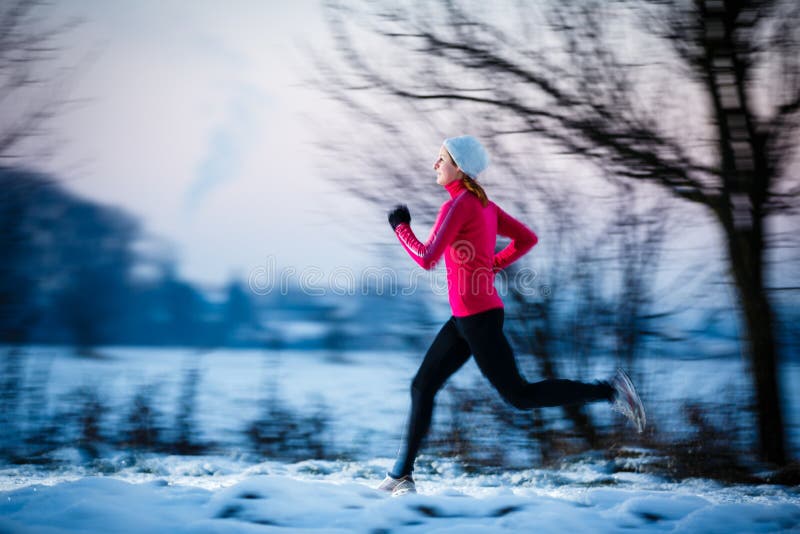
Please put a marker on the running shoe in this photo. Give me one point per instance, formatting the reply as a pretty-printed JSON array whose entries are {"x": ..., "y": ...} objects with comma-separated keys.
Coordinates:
[
  {"x": 627, "y": 401},
  {"x": 398, "y": 486}
]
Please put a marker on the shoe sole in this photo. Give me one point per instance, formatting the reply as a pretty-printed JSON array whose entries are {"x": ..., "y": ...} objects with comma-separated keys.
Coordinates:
[{"x": 639, "y": 415}]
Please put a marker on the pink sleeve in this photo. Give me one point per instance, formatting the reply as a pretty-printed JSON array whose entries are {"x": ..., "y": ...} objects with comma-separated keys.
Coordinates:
[
  {"x": 522, "y": 240},
  {"x": 448, "y": 222}
]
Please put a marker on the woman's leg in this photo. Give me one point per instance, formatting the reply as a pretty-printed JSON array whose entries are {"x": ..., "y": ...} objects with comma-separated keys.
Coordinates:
[
  {"x": 446, "y": 355},
  {"x": 495, "y": 358}
]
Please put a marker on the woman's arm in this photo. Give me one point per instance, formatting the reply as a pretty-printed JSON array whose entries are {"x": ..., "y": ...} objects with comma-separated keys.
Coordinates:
[
  {"x": 427, "y": 254},
  {"x": 522, "y": 240}
]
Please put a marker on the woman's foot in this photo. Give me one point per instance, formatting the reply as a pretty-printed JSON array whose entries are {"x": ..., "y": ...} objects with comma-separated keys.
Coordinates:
[
  {"x": 627, "y": 401},
  {"x": 398, "y": 486}
]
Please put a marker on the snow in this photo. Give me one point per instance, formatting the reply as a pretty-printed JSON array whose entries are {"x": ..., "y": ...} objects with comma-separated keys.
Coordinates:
[
  {"x": 210, "y": 494},
  {"x": 234, "y": 491}
]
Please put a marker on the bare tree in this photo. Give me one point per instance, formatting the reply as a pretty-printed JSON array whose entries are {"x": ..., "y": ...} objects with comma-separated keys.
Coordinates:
[
  {"x": 31, "y": 93},
  {"x": 32, "y": 83},
  {"x": 700, "y": 98}
]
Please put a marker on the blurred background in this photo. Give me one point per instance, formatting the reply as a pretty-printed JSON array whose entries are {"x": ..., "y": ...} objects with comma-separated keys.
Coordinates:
[{"x": 196, "y": 259}]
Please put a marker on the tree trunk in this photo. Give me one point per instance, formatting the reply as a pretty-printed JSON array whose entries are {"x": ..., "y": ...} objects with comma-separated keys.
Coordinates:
[
  {"x": 761, "y": 344},
  {"x": 746, "y": 179}
]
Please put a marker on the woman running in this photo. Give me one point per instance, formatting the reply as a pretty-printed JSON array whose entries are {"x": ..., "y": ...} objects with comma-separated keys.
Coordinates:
[{"x": 465, "y": 232}]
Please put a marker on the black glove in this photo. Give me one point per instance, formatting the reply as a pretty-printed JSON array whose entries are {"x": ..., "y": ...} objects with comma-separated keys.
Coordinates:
[{"x": 399, "y": 215}]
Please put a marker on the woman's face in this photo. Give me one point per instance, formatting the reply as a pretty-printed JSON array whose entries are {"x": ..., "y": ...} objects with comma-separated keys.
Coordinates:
[{"x": 446, "y": 170}]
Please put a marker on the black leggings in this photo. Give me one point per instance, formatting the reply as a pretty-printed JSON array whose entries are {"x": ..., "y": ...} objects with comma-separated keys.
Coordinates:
[{"x": 482, "y": 336}]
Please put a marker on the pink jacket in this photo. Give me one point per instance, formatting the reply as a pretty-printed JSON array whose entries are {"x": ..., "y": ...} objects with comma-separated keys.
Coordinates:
[{"x": 467, "y": 232}]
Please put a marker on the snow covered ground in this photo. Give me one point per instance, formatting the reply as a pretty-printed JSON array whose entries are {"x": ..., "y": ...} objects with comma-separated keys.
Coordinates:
[
  {"x": 366, "y": 397},
  {"x": 198, "y": 495}
]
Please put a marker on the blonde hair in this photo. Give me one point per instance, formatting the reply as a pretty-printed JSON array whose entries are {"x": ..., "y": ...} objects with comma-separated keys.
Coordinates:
[
  {"x": 474, "y": 187},
  {"x": 471, "y": 184}
]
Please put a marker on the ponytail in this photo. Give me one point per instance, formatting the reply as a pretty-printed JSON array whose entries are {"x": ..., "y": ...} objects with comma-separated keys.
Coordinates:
[{"x": 475, "y": 188}]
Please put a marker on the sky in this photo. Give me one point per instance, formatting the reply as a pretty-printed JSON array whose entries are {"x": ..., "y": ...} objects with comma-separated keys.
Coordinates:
[{"x": 200, "y": 122}]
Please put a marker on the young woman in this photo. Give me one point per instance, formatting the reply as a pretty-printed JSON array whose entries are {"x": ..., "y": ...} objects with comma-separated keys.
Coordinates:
[{"x": 465, "y": 233}]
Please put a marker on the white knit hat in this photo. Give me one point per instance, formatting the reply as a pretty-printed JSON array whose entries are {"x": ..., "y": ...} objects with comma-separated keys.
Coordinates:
[{"x": 468, "y": 153}]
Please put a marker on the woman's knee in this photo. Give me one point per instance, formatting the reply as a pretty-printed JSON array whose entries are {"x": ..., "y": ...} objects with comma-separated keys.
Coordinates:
[{"x": 420, "y": 389}]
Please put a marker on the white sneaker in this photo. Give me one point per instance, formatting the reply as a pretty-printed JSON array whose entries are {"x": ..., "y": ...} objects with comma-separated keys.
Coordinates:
[
  {"x": 398, "y": 486},
  {"x": 627, "y": 401}
]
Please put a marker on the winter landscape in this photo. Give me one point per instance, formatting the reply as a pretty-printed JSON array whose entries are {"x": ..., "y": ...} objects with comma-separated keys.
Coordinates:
[
  {"x": 216, "y": 288},
  {"x": 229, "y": 487}
]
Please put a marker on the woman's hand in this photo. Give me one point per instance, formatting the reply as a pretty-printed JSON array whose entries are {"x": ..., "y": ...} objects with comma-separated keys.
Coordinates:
[{"x": 399, "y": 215}]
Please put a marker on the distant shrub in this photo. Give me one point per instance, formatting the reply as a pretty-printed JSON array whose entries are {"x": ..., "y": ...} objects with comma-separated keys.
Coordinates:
[
  {"x": 282, "y": 433},
  {"x": 141, "y": 428},
  {"x": 187, "y": 435}
]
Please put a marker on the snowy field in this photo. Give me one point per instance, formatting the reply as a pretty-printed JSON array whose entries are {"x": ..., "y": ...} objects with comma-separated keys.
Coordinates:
[
  {"x": 365, "y": 397},
  {"x": 199, "y": 495}
]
